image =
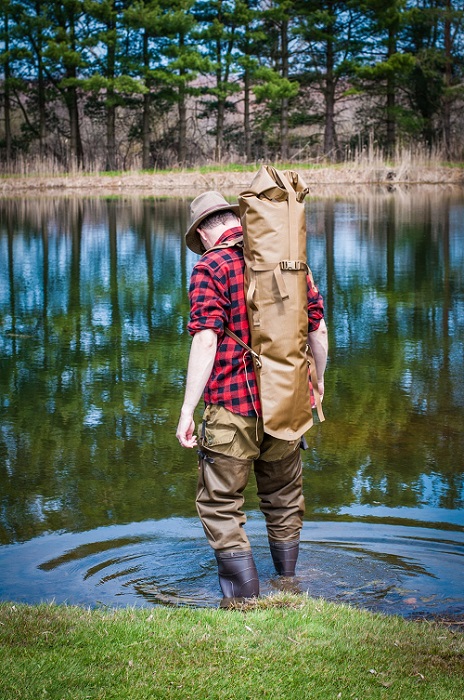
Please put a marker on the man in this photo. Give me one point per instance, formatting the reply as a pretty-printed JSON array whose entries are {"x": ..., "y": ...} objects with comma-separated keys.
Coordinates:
[{"x": 232, "y": 438}]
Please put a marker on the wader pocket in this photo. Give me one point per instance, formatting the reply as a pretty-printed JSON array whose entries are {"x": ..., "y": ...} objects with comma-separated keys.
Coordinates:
[
  {"x": 229, "y": 434},
  {"x": 219, "y": 435}
]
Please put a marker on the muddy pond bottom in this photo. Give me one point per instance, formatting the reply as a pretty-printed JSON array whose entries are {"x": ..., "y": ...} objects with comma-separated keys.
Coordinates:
[{"x": 406, "y": 570}]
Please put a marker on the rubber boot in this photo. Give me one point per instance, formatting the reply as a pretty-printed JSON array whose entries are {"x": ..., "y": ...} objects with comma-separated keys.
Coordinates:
[
  {"x": 238, "y": 576},
  {"x": 284, "y": 555}
]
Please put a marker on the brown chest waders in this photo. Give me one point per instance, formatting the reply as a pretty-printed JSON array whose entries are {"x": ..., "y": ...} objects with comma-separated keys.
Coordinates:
[{"x": 221, "y": 482}]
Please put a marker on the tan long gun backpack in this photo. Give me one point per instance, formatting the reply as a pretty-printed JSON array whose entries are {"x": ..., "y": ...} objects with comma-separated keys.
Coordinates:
[{"x": 276, "y": 269}]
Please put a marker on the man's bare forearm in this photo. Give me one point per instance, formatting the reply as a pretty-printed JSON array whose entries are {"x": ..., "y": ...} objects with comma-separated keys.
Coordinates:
[
  {"x": 200, "y": 365},
  {"x": 201, "y": 360}
]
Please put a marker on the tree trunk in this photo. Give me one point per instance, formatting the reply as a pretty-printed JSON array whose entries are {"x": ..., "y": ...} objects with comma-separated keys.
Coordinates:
[
  {"x": 248, "y": 51},
  {"x": 219, "y": 132},
  {"x": 146, "y": 159},
  {"x": 182, "y": 110},
  {"x": 220, "y": 105},
  {"x": 6, "y": 95},
  {"x": 448, "y": 79},
  {"x": 284, "y": 151},
  {"x": 77, "y": 151},
  {"x": 110, "y": 132},
  {"x": 64, "y": 31},
  {"x": 329, "y": 96},
  {"x": 110, "y": 99},
  {"x": 40, "y": 84},
  {"x": 41, "y": 104},
  {"x": 391, "y": 102},
  {"x": 246, "y": 116}
]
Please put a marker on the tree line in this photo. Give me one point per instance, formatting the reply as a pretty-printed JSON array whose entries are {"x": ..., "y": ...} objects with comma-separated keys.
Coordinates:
[{"x": 113, "y": 84}]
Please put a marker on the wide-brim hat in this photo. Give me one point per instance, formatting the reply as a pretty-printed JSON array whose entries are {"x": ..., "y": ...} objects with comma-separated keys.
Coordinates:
[{"x": 201, "y": 207}]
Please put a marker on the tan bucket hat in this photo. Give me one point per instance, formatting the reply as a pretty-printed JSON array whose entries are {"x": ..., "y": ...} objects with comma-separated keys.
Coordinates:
[{"x": 201, "y": 207}]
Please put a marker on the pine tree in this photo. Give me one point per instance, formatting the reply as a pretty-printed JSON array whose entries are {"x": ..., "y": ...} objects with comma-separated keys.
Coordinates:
[
  {"x": 276, "y": 84},
  {"x": 65, "y": 52},
  {"x": 32, "y": 32},
  {"x": 182, "y": 63},
  {"x": 331, "y": 34},
  {"x": 145, "y": 17},
  {"x": 109, "y": 80},
  {"x": 453, "y": 23},
  {"x": 385, "y": 66},
  {"x": 219, "y": 35},
  {"x": 250, "y": 36},
  {"x": 169, "y": 62}
]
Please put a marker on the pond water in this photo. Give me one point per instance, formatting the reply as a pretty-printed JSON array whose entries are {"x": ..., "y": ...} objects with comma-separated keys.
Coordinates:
[{"x": 96, "y": 495}]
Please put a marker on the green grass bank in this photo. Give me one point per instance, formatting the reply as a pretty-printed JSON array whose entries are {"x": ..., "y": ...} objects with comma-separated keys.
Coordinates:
[{"x": 285, "y": 647}]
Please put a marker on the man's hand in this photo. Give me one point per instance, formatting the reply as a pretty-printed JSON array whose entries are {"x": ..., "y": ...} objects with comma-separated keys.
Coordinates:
[
  {"x": 186, "y": 431},
  {"x": 318, "y": 342}
]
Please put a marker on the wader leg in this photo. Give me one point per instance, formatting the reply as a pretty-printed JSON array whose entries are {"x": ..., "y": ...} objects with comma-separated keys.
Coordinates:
[
  {"x": 280, "y": 490},
  {"x": 221, "y": 481}
]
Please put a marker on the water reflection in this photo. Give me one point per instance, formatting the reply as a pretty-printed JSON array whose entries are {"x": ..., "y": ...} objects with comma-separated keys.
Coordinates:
[
  {"x": 392, "y": 269},
  {"x": 93, "y": 349},
  {"x": 93, "y": 353}
]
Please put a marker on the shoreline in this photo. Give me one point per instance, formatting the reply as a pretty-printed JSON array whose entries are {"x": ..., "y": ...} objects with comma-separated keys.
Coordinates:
[{"x": 343, "y": 179}]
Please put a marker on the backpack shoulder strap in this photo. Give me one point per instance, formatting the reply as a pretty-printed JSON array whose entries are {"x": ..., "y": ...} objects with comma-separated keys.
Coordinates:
[
  {"x": 238, "y": 242},
  {"x": 238, "y": 340}
]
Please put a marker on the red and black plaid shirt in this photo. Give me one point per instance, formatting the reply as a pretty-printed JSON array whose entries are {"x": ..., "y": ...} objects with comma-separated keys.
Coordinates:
[{"x": 217, "y": 300}]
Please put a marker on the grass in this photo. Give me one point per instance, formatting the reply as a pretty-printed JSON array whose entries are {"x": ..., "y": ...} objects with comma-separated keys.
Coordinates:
[
  {"x": 284, "y": 647},
  {"x": 371, "y": 156},
  {"x": 51, "y": 169}
]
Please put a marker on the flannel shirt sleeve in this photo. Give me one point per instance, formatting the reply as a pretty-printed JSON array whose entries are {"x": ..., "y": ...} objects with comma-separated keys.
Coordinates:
[
  {"x": 209, "y": 301},
  {"x": 315, "y": 306}
]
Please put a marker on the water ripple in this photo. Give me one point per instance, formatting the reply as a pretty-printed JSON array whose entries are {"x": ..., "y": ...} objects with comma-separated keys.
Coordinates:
[{"x": 383, "y": 567}]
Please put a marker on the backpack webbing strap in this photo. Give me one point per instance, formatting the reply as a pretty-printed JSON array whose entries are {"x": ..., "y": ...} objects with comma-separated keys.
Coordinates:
[
  {"x": 311, "y": 366},
  {"x": 276, "y": 268},
  {"x": 245, "y": 346}
]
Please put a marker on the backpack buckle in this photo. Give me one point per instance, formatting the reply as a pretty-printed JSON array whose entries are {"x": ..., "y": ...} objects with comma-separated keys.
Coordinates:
[
  {"x": 257, "y": 359},
  {"x": 294, "y": 265}
]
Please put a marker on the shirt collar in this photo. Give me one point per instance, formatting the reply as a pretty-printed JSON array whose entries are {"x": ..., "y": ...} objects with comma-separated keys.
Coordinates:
[{"x": 229, "y": 234}]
